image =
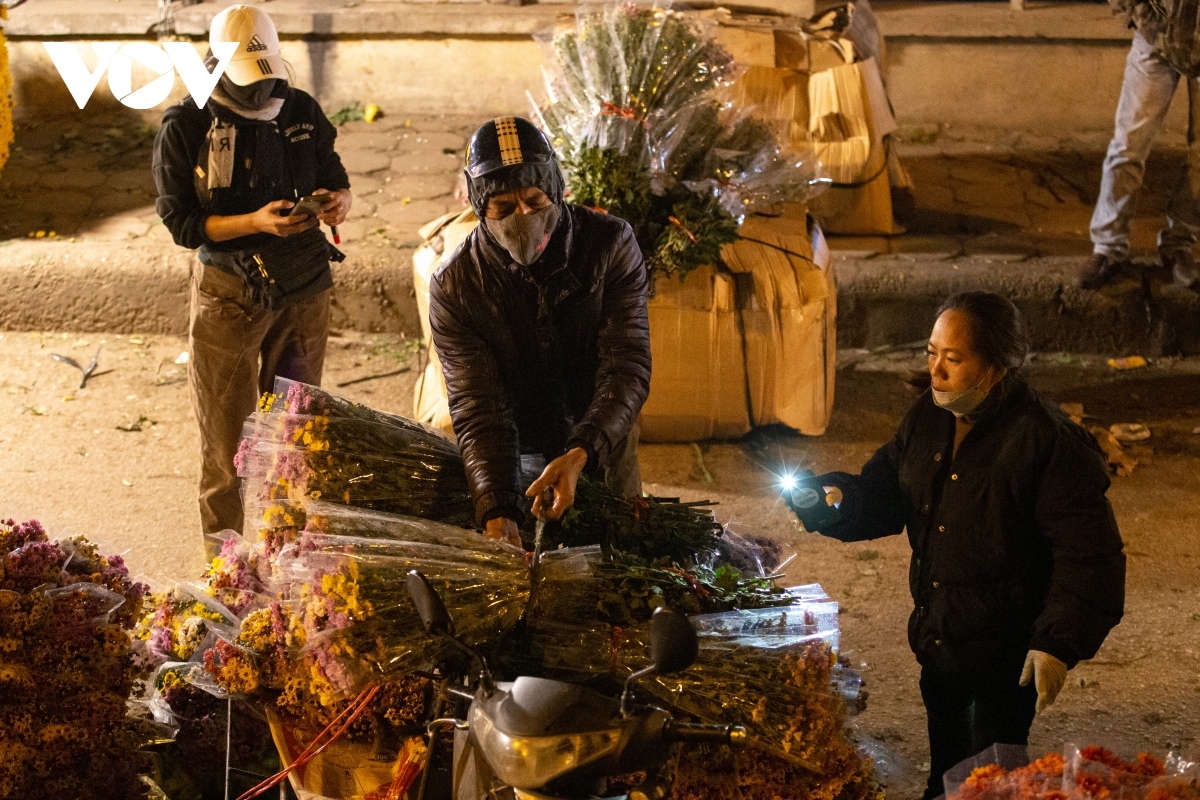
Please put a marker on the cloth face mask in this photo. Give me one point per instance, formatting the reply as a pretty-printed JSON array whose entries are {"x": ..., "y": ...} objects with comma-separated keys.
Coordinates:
[
  {"x": 964, "y": 402},
  {"x": 525, "y": 236}
]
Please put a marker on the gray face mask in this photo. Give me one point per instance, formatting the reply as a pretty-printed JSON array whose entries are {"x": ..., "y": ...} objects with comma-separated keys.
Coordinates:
[
  {"x": 963, "y": 403},
  {"x": 254, "y": 97},
  {"x": 525, "y": 236}
]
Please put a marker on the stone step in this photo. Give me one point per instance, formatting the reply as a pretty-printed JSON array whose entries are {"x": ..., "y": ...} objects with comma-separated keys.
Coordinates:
[
  {"x": 894, "y": 299},
  {"x": 142, "y": 287}
]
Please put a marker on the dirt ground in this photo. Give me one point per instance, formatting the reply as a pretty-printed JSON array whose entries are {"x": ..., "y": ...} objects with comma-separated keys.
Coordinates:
[{"x": 68, "y": 463}]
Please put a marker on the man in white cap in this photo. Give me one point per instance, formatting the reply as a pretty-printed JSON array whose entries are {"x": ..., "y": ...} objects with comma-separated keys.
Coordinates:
[{"x": 227, "y": 176}]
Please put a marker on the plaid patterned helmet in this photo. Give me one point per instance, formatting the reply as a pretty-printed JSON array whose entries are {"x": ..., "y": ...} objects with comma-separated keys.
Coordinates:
[
  {"x": 505, "y": 142},
  {"x": 509, "y": 153}
]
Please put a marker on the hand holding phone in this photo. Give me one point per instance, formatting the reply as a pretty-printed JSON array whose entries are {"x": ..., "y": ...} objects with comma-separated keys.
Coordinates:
[{"x": 310, "y": 205}]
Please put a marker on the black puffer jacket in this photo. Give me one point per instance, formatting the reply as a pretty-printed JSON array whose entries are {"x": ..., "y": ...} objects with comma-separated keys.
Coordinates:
[
  {"x": 545, "y": 358},
  {"x": 1014, "y": 544}
]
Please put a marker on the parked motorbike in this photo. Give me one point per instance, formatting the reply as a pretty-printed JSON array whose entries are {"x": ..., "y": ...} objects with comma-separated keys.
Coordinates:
[{"x": 540, "y": 739}]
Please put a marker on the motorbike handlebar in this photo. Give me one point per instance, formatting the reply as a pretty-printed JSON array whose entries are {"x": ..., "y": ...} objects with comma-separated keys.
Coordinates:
[{"x": 699, "y": 733}]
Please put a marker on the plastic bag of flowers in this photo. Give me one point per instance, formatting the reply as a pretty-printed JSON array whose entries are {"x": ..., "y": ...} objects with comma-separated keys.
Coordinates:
[
  {"x": 751, "y": 553},
  {"x": 1092, "y": 772},
  {"x": 644, "y": 133},
  {"x": 402, "y": 469},
  {"x": 332, "y": 519},
  {"x": 359, "y": 622},
  {"x": 232, "y": 577},
  {"x": 65, "y": 614},
  {"x": 177, "y": 622},
  {"x": 191, "y": 763}
]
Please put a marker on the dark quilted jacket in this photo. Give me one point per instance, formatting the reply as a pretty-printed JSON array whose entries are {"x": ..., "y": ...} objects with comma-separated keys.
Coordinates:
[
  {"x": 1015, "y": 546},
  {"x": 542, "y": 359}
]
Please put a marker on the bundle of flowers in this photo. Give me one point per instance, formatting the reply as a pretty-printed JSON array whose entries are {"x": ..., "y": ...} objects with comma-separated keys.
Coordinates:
[
  {"x": 66, "y": 669},
  {"x": 177, "y": 622},
  {"x": 192, "y": 765},
  {"x": 265, "y": 663},
  {"x": 360, "y": 622},
  {"x": 644, "y": 530},
  {"x": 343, "y": 615},
  {"x": 306, "y": 444},
  {"x": 635, "y": 113},
  {"x": 232, "y": 578},
  {"x": 1082, "y": 773},
  {"x": 767, "y": 656}
]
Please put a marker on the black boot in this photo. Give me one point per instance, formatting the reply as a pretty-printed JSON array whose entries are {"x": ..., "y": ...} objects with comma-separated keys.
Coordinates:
[
  {"x": 1099, "y": 270},
  {"x": 1183, "y": 268}
]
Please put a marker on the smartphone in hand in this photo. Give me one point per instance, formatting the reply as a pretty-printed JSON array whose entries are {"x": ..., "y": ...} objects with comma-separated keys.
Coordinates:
[{"x": 310, "y": 205}]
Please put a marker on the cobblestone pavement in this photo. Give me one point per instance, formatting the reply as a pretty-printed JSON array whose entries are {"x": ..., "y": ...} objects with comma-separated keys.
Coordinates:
[
  {"x": 93, "y": 181},
  {"x": 976, "y": 193}
]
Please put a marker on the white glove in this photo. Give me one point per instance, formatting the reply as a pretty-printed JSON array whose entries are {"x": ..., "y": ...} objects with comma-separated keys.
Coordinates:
[{"x": 1048, "y": 675}]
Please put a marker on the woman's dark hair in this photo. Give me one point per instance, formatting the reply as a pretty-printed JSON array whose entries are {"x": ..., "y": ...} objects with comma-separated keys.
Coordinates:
[{"x": 996, "y": 327}]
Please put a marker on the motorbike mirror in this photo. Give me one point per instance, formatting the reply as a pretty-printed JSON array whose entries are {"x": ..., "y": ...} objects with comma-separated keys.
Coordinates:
[
  {"x": 673, "y": 643},
  {"x": 430, "y": 608}
]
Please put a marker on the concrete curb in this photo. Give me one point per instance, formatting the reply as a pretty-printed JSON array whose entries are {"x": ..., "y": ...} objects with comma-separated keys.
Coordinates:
[
  {"x": 893, "y": 299},
  {"x": 143, "y": 288}
]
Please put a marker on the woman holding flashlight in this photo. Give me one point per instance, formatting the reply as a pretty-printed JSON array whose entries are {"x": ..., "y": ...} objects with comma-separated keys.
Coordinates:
[{"x": 1017, "y": 571}]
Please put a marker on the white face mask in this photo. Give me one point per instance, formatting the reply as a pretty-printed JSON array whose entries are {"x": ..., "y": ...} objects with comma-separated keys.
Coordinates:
[{"x": 962, "y": 403}]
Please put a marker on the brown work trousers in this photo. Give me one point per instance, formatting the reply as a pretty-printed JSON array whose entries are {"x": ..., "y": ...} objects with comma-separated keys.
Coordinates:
[{"x": 237, "y": 350}]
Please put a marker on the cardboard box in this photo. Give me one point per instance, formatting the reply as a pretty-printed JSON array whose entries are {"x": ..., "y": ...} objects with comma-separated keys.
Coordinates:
[
  {"x": 789, "y": 316},
  {"x": 749, "y": 46},
  {"x": 698, "y": 382},
  {"x": 840, "y": 122},
  {"x": 442, "y": 237},
  {"x": 795, "y": 51},
  {"x": 845, "y": 138},
  {"x": 779, "y": 94}
]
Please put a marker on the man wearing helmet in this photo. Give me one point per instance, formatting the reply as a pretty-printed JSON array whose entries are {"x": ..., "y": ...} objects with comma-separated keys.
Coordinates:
[{"x": 539, "y": 320}]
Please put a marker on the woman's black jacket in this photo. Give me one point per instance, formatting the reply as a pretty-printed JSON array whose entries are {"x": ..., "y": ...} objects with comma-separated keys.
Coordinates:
[{"x": 1014, "y": 544}]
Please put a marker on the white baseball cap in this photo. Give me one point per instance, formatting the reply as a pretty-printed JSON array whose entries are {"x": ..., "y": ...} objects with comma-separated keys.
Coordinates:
[{"x": 257, "y": 57}]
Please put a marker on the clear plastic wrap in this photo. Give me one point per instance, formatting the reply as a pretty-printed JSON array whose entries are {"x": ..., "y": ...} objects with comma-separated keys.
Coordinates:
[
  {"x": 1096, "y": 773},
  {"x": 359, "y": 621},
  {"x": 753, "y": 554},
  {"x": 337, "y": 520},
  {"x": 620, "y": 69},
  {"x": 232, "y": 578},
  {"x": 1004, "y": 772},
  {"x": 179, "y": 621},
  {"x": 773, "y": 669},
  {"x": 400, "y": 468}
]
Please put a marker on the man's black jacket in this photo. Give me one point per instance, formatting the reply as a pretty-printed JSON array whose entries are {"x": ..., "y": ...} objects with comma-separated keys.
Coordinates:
[
  {"x": 545, "y": 358},
  {"x": 310, "y": 163},
  {"x": 1014, "y": 544}
]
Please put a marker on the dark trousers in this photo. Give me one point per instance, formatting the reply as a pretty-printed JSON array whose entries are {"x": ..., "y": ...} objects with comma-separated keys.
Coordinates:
[
  {"x": 967, "y": 717},
  {"x": 237, "y": 349}
]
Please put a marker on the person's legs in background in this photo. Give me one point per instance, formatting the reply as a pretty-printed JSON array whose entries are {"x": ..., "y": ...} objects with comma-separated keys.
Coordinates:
[
  {"x": 1183, "y": 212},
  {"x": 294, "y": 346},
  {"x": 227, "y": 346},
  {"x": 948, "y": 718},
  {"x": 223, "y": 342},
  {"x": 1146, "y": 93},
  {"x": 967, "y": 717}
]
